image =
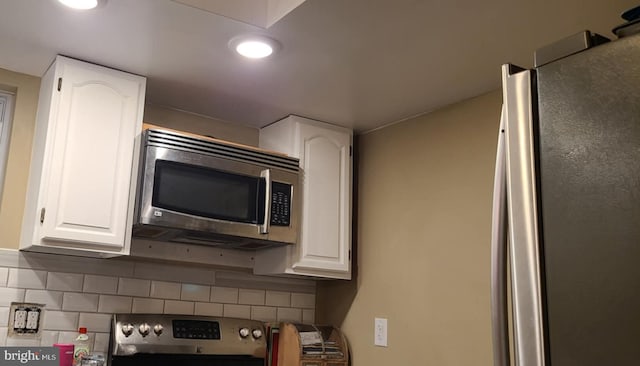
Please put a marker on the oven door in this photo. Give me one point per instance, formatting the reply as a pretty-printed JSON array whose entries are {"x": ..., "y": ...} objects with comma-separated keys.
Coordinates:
[{"x": 185, "y": 360}]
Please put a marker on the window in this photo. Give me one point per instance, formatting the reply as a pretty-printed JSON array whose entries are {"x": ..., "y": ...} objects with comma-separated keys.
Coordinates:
[{"x": 6, "y": 105}]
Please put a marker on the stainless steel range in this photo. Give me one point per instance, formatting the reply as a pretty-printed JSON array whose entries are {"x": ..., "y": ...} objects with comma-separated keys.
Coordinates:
[{"x": 163, "y": 340}]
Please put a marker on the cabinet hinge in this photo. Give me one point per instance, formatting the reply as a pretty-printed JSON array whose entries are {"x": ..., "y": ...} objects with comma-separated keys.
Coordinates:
[
  {"x": 42, "y": 210},
  {"x": 350, "y": 150},
  {"x": 59, "y": 84},
  {"x": 349, "y": 254}
]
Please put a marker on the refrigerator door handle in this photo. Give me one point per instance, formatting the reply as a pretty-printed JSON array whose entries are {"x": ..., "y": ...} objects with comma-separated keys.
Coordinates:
[
  {"x": 522, "y": 213},
  {"x": 499, "y": 316}
]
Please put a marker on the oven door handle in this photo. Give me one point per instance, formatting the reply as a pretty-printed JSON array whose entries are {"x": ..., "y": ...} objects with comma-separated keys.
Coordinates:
[{"x": 264, "y": 227}]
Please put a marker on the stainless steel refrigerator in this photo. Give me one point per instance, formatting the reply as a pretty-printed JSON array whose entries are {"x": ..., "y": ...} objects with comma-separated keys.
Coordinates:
[{"x": 566, "y": 235}]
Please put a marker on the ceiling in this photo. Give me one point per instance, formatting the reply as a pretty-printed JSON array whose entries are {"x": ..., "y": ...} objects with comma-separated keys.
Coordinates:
[{"x": 357, "y": 63}]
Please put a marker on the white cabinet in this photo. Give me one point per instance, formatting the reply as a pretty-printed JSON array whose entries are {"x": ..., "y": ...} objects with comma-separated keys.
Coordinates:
[
  {"x": 324, "y": 245},
  {"x": 86, "y": 142}
]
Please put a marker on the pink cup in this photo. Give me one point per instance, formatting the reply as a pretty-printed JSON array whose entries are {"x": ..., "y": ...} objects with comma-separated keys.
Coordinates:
[{"x": 66, "y": 353}]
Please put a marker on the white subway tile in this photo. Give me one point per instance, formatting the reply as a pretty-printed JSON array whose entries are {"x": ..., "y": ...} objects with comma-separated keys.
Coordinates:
[
  {"x": 237, "y": 311},
  {"x": 95, "y": 322},
  {"x": 114, "y": 304},
  {"x": 306, "y": 301},
  {"x": 100, "y": 284},
  {"x": 70, "y": 337},
  {"x": 246, "y": 280},
  {"x": 51, "y": 299},
  {"x": 69, "y": 264},
  {"x": 195, "y": 292},
  {"x": 308, "y": 316},
  {"x": 166, "y": 290},
  {"x": 264, "y": 313},
  {"x": 21, "y": 342},
  {"x": 170, "y": 272},
  {"x": 208, "y": 309},
  {"x": 133, "y": 287},
  {"x": 10, "y": 257},
  {"x": 64, "y": 281},
  {"x": 278, "y": 298},
  {"x": 251, "y": 297},
  {"x": 48, "y": 338},
  {"x": 67, "y": 337},
  {"x": 225, "y": 295},
  {"x": 26, "y": 278},
  {"x": 101, "y": 343},
  {"x": 60, "y": 320},
  {"x": 9, "y": 295},
  {"x": 76, "y": 301},
  {"x": 4, "y": 316},
  {"x": 178, "y": 307},
  {"x": 149, "y": 306},
  {"x": 4, "y": 274},
  {"x": 289, "y": 315}
]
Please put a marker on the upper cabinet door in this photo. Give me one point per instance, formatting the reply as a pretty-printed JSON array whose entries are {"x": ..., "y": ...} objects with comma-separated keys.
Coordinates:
[
  {"x": 325, "y": 160},
  {"x": 90, "y": 153},
  {"x": 324, "y": 247}
]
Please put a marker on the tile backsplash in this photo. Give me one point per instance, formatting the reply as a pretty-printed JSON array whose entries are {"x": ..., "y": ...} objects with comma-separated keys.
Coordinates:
[{"x": 85, "y": 292}]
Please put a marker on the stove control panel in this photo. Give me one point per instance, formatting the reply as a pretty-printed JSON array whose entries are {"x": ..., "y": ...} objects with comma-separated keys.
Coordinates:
[
  {"x": 186, "y": 334},
  {"x": 196, "y": 329}
]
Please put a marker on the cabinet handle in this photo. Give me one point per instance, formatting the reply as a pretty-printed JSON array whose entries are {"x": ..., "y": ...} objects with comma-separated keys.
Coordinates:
[
  {"x": 59, "y": 84},
  {"x": 42, "y": 211}
]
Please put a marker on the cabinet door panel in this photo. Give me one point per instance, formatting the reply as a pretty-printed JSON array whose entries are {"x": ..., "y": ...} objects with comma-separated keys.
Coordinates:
[
  {"x": 324, "y": 245},
  {"x": 326, "y": 167},
  {"x": 88, "y": 189}
]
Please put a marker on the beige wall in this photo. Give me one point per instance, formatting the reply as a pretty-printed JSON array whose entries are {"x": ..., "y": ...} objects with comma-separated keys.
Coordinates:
[
  {"x": 27, "y": 89},
  {"x": 423, "y": 241}
]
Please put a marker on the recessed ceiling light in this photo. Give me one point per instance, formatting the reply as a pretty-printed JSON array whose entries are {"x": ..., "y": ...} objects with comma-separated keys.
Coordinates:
[
  {"x": 254, "y": 46},
  {"x": 80, "y": 4},
  {"x": 254, "y": 49}
]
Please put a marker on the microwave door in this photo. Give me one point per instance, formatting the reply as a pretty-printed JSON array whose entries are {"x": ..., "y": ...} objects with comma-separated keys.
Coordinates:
[
  {"x": 209, "y": 193},
  {"x": 196, "y": 192}
]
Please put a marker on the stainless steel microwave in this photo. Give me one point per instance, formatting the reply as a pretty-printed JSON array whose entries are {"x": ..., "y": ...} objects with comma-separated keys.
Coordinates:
[{"x": 199, "y": 190}]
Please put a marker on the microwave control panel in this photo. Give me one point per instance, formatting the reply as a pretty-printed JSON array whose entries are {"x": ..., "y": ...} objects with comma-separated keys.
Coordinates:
[{"x": 280, "y": 204}]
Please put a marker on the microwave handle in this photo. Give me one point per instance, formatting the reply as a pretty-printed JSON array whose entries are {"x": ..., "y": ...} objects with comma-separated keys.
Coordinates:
[{"x": 264, "y": 227}]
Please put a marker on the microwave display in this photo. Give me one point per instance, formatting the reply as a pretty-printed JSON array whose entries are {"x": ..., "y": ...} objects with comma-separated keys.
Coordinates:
[{"x": 207, "y": 192}]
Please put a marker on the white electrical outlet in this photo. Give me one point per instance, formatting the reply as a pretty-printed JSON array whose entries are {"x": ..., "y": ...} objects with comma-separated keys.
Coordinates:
[
  {"x": 20, "y": 319},
  {"x": 33, "y": 317},
  {"x": 380, "y": 332},
  {"x": 25, "y": 320}
]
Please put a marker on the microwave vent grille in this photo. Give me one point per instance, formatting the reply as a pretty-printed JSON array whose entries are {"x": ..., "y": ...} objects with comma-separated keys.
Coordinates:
[{"x": 219, "y": 148}]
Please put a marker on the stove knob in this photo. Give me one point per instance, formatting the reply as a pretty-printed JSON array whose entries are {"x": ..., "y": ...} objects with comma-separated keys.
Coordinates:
[
  {"x": 256, "y": 333},
  {"x": 127, "y": 329},
  {"x": 157, "y": 329},
  {"x": 244, "y": 332},
  {"x": 144, "y": 329}
]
